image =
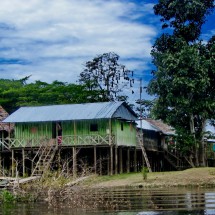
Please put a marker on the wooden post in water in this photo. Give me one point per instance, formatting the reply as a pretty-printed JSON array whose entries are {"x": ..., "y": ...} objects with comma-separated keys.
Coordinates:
[
  {"x": 120, "y": 161},
  {"x": 128, "y": 160},
  {"x": 23, "y": 162},
  {"x": 74, "y": 156}
]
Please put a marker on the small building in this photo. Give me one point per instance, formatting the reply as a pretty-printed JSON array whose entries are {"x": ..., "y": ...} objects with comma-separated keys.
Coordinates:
[
  {"x": 157, "y": 137},
  {"x": 91, "y": 130},
  {"x": 5, "y": 128}
]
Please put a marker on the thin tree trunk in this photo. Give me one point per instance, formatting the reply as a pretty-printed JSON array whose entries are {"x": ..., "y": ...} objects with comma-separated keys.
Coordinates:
[
  {"x": 202, "y": 161},
  {"x": 195, "y": 148}
]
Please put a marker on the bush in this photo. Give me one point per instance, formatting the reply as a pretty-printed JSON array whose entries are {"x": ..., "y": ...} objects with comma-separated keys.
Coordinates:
[{"x": 6, "y": 196}]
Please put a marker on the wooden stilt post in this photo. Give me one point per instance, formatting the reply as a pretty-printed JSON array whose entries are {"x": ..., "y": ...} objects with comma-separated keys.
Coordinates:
[
  {"x": 95, "y": 160},
  {"x": 120, "y": 161},
  {"x": 1, "y": 169},
  {"x": 116, "y": 160},
  {"x": 67, "y": 164},
  {"x": 13, "y": 165},
  {"x": 135, "y": 159},
  {"x": 74, "y": 156},
  {"x": 111, "y": 160},
  {"x": 58, "y": 161},
  {"x": 108, "y": 161},
  {"x": 23, "y": 162},
  {"x": 128, "y": 160},
  {"x": 100, "y": 163}
]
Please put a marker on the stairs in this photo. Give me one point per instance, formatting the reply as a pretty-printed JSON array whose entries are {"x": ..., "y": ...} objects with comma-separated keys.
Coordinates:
[
  {"x": 176, "y": 162},
  {"x": 140, "y": 142},
  {"x": 46, "y": 153}
]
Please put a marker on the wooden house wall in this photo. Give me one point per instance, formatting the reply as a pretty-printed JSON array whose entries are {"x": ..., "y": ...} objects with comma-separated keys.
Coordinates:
[
  {"x": 125, "y": 133},
  {"x": 39, "y": 130},
  {"x": 151, "y": 139},
  {"x": 33, "y": 130},
  {"x": 82, "y": 127}
]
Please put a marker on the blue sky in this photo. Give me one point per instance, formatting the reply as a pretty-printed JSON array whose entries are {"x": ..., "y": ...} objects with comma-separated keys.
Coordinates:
[{"x": 51, "y": 40}]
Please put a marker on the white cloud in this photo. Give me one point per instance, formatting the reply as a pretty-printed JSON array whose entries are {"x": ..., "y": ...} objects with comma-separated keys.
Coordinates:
[{"x": 54, "y": 38}]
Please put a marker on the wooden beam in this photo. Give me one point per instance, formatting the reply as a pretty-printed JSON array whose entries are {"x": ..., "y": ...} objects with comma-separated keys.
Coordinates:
[
  {"x": 110, "y": 132},
  {"x": 135, "y": 159},
  {"x": 1, "y": 169},
  {"x": 95, "y": 159},
  {"x": 75, "y": 132},
  {"x": 116, "y": 160},
  {"x": 100, "y": 162},
  {"x": 128, "y": 160},
  {"x": 23, "y": 162},
  {"x": 74, "y": 156},
  {"x": 12, "y": 163},
  {"x": 111, "y": 160},
  {"x": 120, "y": 161}
]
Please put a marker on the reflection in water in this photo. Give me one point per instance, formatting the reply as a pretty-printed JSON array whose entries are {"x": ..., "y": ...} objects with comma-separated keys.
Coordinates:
[{"x": 129, "y": 201}]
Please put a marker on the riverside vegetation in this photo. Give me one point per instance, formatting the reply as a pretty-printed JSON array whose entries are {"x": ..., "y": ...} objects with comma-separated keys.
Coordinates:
[{"x": 58, "y": 190}]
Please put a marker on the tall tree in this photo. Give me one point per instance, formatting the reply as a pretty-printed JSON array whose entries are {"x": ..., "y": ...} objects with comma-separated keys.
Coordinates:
[
  {"x": 185, "y": 17},
  {"x": 104, "y": 73},
  {"x": 184, "y": 75}
]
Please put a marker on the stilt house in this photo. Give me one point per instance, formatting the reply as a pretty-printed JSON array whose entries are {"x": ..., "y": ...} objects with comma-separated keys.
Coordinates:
[
  {"x": 110, "y": 123},
  {"x": 89, "y": 127}
]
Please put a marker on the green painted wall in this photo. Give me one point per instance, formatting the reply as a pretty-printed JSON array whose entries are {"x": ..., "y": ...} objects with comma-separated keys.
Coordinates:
[
  {"x": 125, "y": 133},
  {"x": 32, "y": 131},
  {"x": 82, "y": 127}
]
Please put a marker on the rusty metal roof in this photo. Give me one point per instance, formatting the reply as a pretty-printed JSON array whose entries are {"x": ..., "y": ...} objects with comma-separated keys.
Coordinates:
[
  {"x": 161, "y": 126},
  {"x": 73, "y": 112},
  {"x": 4, "y": 115}
]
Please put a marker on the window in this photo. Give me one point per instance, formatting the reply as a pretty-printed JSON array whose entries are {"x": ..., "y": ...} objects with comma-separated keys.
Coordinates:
[
  {"x": 94, "y": 127},
  {"x": 121, "y": 126}
]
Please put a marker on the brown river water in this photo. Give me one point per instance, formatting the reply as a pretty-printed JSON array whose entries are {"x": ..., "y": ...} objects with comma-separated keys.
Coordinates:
[{"x": 129, "y": 201}]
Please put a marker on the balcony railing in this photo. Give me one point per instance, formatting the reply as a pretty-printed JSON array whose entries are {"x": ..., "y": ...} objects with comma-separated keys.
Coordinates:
[{"x": 68, "y": 140}]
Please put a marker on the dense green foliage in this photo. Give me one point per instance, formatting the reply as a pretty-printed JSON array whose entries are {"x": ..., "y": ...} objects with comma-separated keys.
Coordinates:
[
  {"x": 185, "y": 17},
  {"x": 183, "y": 81},
  {"x": 16, "y": 93}
]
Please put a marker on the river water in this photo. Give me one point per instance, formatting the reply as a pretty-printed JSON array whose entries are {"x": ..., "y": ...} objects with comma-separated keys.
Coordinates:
[{"x": 129, "y": 201}]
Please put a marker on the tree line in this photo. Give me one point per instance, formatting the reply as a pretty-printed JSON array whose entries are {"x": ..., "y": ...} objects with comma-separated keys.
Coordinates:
[{"x": 182, "y": 83}]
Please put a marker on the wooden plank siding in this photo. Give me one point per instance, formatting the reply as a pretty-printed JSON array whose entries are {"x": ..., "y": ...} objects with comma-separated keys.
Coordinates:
[
  {"x": 125, "y": 133},
  {"x": 79, "y": 132}
]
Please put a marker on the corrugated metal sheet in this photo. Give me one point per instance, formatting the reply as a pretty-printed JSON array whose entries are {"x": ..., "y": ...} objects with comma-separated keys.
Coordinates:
[
  {"x": 100, "y": 110},
  {"x": 146, "y": 125}
]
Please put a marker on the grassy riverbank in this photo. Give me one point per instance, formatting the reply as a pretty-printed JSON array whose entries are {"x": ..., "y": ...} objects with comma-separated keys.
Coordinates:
[
  {"x": 58, "y": 190},
  {"x": 190, "y": 177}
]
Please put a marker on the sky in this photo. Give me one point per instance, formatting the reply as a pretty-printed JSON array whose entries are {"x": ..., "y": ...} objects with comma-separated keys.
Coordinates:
[{"x": 51, "y": 40}]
